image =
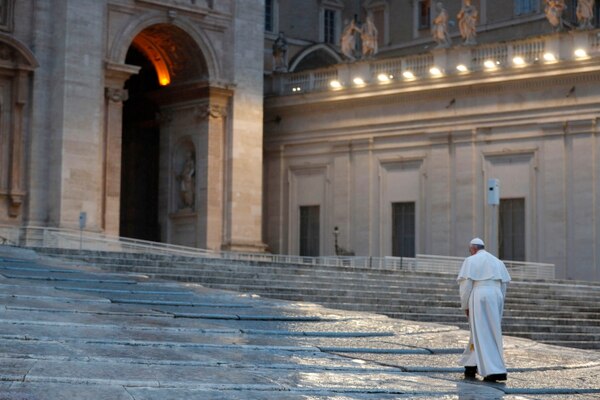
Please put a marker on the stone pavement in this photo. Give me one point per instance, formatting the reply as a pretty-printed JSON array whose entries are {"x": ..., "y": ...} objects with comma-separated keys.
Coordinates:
[{"x": 70, "y": 332}]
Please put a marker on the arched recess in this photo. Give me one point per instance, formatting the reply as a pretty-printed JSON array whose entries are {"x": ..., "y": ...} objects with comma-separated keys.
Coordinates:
[
  {"x": 160, "y": 75},
  {"x": 17, "y": 64},
  {"x": 315, "y": 56}
]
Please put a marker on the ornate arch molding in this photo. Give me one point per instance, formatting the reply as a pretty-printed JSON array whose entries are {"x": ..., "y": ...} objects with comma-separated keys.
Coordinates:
[
  {"x": 313, "y": 49},
  {"x": 17, "y": 63},
  {"x": 125, "y": 37},
  {"x": 16, "y": 55}
]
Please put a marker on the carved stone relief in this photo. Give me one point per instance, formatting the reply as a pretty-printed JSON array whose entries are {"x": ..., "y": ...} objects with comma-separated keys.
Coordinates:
[
  {"x": 206, "y": 111},
  {"x": 116, "y": 94}
]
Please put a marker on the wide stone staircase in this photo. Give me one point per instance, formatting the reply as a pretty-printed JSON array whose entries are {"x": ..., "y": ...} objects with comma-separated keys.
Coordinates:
[{"x": 559, "y": 312}]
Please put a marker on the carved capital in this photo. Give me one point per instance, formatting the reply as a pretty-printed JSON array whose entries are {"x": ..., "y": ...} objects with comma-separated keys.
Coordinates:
[
  {"x": 206, "y": 111},
  {"x": 116, "y": 94},
  {"x": 16, "y": 200}
]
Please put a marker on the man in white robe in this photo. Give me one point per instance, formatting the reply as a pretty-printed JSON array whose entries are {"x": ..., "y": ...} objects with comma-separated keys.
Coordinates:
[{"x": 483, "y": 280}]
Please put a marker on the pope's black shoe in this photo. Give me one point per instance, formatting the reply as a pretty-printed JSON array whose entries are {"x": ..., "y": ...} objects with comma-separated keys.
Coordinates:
[
  {"x": 495, "y": 378},
  {"x": 470, "y": 372}
]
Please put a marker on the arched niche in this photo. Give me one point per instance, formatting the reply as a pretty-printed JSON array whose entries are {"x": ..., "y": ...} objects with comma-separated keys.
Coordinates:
[
  {"x": 316, "y": 56},
  {"x": 184, "y": 176},
  {"x": 17, "y": 64}
]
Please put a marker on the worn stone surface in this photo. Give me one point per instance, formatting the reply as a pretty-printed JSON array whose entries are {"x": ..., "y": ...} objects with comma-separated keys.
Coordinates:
[{"x": 81, "y": 333}]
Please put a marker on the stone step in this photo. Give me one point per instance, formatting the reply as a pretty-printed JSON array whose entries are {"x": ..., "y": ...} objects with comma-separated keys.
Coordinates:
[
  {"x": 133, "y": 257},
  {"x": 515, "y": 288},
  {"x": 554, "y": 336},
  {"x": 392, "y": 296},
  {"x": 550, "y": 311},
  {"x": 544, "y": 292},
  {"x": 570, "y": 343}
]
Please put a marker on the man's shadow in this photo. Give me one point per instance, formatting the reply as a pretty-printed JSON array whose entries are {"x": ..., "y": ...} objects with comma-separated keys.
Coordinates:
[{"x": 475, "y": 389}]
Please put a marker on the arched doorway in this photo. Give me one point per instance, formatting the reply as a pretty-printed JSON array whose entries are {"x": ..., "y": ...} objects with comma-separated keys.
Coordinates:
[
  {"x": 140, "y": 152},
  {"x": 172, "y": 143}
]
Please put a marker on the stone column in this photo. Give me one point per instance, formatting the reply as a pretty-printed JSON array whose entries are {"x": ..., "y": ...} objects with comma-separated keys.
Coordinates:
[
  {"x": 211, "y": 195},
  {"x": 16, "y": 146},
  {"x": 243, "y": 225},
  {"x": 115, "y": 95}
]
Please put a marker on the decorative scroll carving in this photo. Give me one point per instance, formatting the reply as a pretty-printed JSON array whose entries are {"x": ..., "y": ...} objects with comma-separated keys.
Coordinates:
[
  {"x": 210, "y": 111},
  {"x": 116, "y": 94}
]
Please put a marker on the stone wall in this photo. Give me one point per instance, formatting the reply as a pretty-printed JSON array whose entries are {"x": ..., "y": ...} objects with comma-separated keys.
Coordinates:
[{"x": 435, "y": 143}]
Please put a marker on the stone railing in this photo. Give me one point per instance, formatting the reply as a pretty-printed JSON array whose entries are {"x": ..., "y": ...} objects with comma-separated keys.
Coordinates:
[
  {"x": 72, "y": 239},
  {"x": 459, "y": 61}
]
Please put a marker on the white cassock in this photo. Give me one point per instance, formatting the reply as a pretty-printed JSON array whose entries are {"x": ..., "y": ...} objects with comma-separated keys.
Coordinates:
[{"x": 483, "y": 280}]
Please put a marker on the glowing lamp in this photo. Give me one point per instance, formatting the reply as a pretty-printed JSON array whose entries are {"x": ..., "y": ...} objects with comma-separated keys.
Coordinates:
[
  {"x": 164, "y": 80},
  {"x": 358, "y": 81},
  {"x": 435, "y": 71},
  {"x": 489, "y": 64},
  {"x": 335, "y": 84},
  {"x": 408, "y": 75},
  {"x": 462, "y": 68},
  {"x": 518, "y": 61},
  {"x": 580, "y": 53},
  {"x": 384, "y": 78},
  {"x": 549, "y": 57}
]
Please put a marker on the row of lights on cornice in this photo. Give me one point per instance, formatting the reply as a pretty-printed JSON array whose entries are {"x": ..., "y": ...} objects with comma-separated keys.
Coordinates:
[{"x": 489, "y": 65}]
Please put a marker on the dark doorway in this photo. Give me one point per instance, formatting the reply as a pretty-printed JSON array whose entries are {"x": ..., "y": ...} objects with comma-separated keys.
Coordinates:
[
  {"x": 512, "y": 229},
  {"x": 140, "y": 154},
  {"x": 309, "y": 231},
  {"x": 403, "y": 229}
]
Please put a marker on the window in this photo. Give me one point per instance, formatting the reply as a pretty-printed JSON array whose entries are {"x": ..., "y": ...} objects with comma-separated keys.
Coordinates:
[
  {"x": 309, "y": 231},
  {"x": 511, "y": 228},
  {"x": 403, "y": 229},
  {"x": 524, "y": 6},
  {"x": 424, "y": 14},
  {"x": 269, "y": 15},
  {"x": 329, "y": 26}
]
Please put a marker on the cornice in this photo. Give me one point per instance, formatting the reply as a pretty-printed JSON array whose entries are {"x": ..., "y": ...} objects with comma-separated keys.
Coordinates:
[{"x": 477, "y": 83}]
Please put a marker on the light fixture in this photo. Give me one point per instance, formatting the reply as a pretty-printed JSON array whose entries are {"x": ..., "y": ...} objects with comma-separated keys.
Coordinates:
[
  {"x": 296, "y": 89},
  {"x": 580, "y": 53},
  {"x": 549, "y": 57},
  {"x": 335, "y": 84},
  {"x": 408, "y": 75},
  {"x": 384, "y": 78},
  {"x": 518, "y": 61},
  {"x": 462, "y": 68},
  {"x": 358, "y": 81},
  {"x": 489, "y": 64},
  {"x": 435, "y": 71}
]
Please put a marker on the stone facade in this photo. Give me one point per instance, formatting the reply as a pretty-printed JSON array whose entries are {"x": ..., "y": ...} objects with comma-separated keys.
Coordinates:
[
  {"x": 434, "y": 142},
  {"x": 66, "y": 83}
]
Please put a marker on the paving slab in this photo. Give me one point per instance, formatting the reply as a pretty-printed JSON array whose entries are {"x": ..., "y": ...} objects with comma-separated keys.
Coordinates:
[{"x": 74, "y": 331}]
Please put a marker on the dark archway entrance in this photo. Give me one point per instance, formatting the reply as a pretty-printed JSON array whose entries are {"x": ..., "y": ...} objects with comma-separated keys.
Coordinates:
[
  {"x": 140, "y": 153},
  {"x": 162, "y": 126}
]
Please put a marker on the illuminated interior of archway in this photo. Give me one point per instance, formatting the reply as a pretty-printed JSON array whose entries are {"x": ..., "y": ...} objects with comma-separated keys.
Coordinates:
[{"x": 154, "y": 55}]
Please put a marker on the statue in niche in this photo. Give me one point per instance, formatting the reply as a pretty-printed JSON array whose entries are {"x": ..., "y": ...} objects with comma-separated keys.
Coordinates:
[
  {"x": 467, "y": 22},
  {"x": 187, "y": 182},
  {"x": 280, "y": 49},
  {"x": 585, "y": 14},
  {"x": 348, "y": 40},
  {"x": 439, "y": 30},
  {"x": 554, "y": 11},
  {"x": 368, "y": 36}
]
